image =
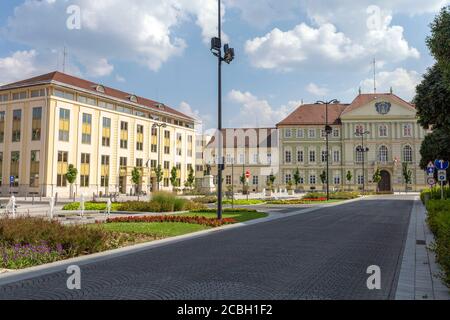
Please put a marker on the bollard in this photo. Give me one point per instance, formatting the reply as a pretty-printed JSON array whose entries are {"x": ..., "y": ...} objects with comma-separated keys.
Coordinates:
[
  {"x": 52, "y": 207},
  {"x": 82, "y": 205}
]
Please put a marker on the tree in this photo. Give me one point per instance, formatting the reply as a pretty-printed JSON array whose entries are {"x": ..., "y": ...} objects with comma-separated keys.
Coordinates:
[
  {"x": 323, "y": 177},
  {"x": 71, "y": 176},
  {"x": 159, "y": 174},
  {"x": 136, "y": 176},
  {"x": 407, "y": 175},
  {"x": 190, "y": 179},
  {"x": 271, "y": 181},
  {"x": 297, "y": 178},
  {"x": 435, "y": 146},
  {"x": 376, "y": 178},
  {"x": 174, "y": 177},
  {"x": 243, "y": 180},
  {"x": 438, "y": 41}
]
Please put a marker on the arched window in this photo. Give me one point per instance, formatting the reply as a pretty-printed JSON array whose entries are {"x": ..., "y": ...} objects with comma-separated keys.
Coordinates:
[
  {"x": 359, "y": 129},
  {"x": 383, "y": 154},
  {"x": 407, "y": 154},
  {"x": 359, "y": 154},
  {"x": 382, "y": 130}
]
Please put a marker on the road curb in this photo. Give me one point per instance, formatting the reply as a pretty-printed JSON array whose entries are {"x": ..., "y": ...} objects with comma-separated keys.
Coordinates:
[{"x": 62, "y": 265}]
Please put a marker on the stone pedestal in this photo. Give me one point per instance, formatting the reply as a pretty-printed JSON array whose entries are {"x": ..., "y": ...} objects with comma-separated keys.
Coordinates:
[{"x": 208, "y": 184}]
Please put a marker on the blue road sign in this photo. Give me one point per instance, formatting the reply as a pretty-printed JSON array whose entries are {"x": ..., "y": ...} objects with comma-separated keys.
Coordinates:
[
  {"x": 430, "y": 171},
  {"x": 441, "y": 164},
  {"x": 11, "y": 179}
]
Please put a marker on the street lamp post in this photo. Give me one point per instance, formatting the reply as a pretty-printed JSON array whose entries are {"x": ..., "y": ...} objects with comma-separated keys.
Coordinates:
[
  {"x": 216, "y": 49},
  {"x": 159, "y": 126},
  {"x": 363, "y": 151},
  {"x": 328, "y": 131}
]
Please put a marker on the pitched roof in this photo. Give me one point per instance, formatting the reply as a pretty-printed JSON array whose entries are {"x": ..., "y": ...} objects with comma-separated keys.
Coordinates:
[
  {"x": 59, "y": 77},
  {"x": 366, "y": 98},
  {"x": 314, "y": 114}
]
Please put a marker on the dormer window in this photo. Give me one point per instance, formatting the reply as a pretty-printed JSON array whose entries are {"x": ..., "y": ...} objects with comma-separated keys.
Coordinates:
[
  {"x": 100, "y": 88},
  {"x": 133, "y": 98},
  {"x": 160, "y": 106}
]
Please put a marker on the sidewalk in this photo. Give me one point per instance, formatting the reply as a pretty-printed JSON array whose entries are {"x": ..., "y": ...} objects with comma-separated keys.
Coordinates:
[{"x": 419, "y": 274}]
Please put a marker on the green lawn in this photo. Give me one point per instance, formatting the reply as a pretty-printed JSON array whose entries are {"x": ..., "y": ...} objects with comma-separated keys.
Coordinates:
[
  {"x": 239, "y": 216},
  {"x": 157, "y": 229}
]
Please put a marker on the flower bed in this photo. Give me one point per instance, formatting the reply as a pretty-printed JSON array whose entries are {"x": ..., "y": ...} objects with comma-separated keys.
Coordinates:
[
  {"x": 20, "y": 256},
  {"x": 210, "y": 222}
]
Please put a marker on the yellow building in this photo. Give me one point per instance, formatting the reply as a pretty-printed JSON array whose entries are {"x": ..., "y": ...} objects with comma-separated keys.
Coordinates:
[{"x": 54, "y": 120}]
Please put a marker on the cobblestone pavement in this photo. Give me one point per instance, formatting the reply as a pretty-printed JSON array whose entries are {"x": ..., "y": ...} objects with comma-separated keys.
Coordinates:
[{"x": 318, "y": 255}]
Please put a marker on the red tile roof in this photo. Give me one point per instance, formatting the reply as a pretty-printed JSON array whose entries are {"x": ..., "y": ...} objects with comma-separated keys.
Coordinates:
[
  {"x": 366, "y": 98},
  {"x": 314, "y": 114},
  {"x": 58, "y": 77}
]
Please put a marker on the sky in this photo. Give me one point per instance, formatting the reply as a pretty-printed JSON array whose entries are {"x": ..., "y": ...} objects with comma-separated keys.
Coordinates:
[{"x": 287, "y": 51}]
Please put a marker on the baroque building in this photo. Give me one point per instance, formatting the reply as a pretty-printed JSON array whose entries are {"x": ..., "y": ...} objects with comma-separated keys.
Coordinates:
[{"x": 384, "y": 124}]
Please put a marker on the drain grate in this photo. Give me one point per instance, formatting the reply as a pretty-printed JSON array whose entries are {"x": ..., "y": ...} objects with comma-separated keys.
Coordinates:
[{"x": 421, "y": 242}]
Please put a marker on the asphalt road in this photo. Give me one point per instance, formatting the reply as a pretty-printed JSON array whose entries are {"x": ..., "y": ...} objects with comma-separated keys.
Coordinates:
[{"x": 319, "y": 255}]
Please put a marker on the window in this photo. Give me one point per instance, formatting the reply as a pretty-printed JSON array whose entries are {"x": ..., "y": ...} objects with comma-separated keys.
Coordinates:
[
  {"x": 123, "y": 162},
  {"x": 64, "y": 124},
  {"x": 153, "y": 164},
  {"x": 323, "y": 133},
  {"x": 19, "y": 95},
  {"x": 300, "y": 157},
  {"x": 360, "y": 179},
  {"x": 228, "y": 180},
  {"x": 269, "y": 158},
  {"x": 312, "y": 156},
  {"x": 123, "y": 135},
  {"x": 336, "y": 156},
  {"x": 299, "y": 133},
  {"x": 190, "y": 145},
  {"x": 84, "y": 170},
  {"x": 287, "y": 156},
  {"x": 312, "y": 179},
  {"x": 382, "y": 130},
  {"x": 287, "y": 178},
  {"x": 2, "y": 126},
  {"x": 106, "y": 132},
  {"x": 255, "y": 180},
  {"x": 14, "y": 171},
  {"x": 1, "y": 168},
  {"x": 241, "y": 158},
  {"x": 140, "y": 137},
  {"x": 383, "y": 154},
  {"x": 62, "y": 166},
  {"x": 337, "y": 179},
  {"x": 86, "y": 128},
  {"x": 166, "y": 170},
  {"x": 407, "y": 154},
  {"x": 64, "y": 95},
  {"x": 36, "y": 124},
  {"x": 139, "y": 162},
  {"x": 166, "y": 142},
  {"x": 37, "y": 93},
  {"x": 4, "y": 97},
  {"x": 324, "y": 156},
  {"x": 154, "y": 145},
  {"x": 407, "y": 130},
  {"x": 312, "y": 133},
  {"x": 17, "y": 119},
  {"x": 34, "y": 168},
  {"x": 255, "y": 158},
  {"x": 179, "y": 144},
  {"x": 287, "y": 133},
  {"x": 166, "y": 182},
  {"x": 359, "y": 154},
  {"x": 104, "y": 171},
  {"x": 336, "y": 133}
]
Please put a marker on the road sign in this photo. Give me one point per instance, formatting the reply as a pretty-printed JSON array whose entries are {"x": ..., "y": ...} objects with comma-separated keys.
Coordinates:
[
  {"x": 431, "y": 181},
  {"x": 11, "y": 179},
  {"x": 441, "y": 164},
  {"x": 442, "y": 175},
  {"x": 247, "y": 174},
  {"x": 430, "y": 164},
  {"x": 430, "y": 171}
]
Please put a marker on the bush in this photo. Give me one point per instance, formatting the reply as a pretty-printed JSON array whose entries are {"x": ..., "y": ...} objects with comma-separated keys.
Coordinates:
[
  {"x": 226, "y": 210},
  {"x": 315, "y": 195},
  {"x": 244, "y": 201},
  {"x": 434, "y": 193},
  {"x": 206, "y": 199},
  {"x": 71, "y": 240},
  {"x": 344, "y": 195},
  {"x": 439, "y": 221},
  {"x": 90, "y": 206},
  {"x": 210, "y": 222}
]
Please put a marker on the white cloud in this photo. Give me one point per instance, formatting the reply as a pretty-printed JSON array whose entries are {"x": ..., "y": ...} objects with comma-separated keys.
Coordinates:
[
  {"x": 17, "y": 65},
  {"x": 133, "y": 30},
  {"x": 316, "y": 90},
  {"x": 206, "y": 119},
  {"x": 306, "y": 46},
  {"x": 402, "y": 81},
  {"x": 119, "y": 78},
  {"x": 255, "y": 112}
]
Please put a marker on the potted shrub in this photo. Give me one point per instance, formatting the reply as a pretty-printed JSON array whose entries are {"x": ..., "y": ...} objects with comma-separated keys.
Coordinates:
[{"x": 289, "y": 188}]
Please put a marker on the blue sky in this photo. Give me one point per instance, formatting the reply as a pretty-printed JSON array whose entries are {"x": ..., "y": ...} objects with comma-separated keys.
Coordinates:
[{"x": 286, "y": 51}]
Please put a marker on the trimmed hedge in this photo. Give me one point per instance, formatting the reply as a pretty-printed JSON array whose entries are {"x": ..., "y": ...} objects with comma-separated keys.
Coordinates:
[
  {"x": 439, "y": 221},
  {"x": 341, "y": 195},
  {"x": 90, "y": 206},
  {"x": 210, "y": 222}
]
